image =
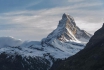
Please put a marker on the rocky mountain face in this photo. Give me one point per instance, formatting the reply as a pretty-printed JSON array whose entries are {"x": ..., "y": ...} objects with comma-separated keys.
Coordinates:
[
  {"x": 63, "y": 42},
  {"x": 90, "y": 58}
]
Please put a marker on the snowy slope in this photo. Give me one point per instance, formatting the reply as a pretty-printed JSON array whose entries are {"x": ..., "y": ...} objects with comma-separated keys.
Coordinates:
[{"x": 34, "y": 48}]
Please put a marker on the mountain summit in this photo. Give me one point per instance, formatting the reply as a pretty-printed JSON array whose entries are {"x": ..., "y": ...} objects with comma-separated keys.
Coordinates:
[{"x": 67, "y": 31}]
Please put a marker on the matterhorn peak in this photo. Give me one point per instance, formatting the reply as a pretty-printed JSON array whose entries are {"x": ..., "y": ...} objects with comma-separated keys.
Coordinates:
[{"x": 67, "y": 31}]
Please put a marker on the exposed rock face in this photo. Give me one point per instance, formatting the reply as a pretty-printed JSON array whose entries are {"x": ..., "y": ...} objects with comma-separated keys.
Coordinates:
[{"x": 90, "y": 58}]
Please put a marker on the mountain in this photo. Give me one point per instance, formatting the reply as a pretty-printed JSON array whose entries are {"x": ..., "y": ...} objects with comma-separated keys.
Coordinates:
[
  {"x": 63, "y": 42},
  {"x": 90, "y": 58},
  {"x": 67, "y": 31}
]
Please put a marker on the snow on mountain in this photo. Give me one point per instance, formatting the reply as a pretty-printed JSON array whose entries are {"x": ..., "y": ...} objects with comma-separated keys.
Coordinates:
[{"x": 63, "y": 42}]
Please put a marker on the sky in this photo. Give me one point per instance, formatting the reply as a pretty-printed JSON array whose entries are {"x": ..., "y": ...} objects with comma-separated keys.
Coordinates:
[{"x": 35, "y": 19}]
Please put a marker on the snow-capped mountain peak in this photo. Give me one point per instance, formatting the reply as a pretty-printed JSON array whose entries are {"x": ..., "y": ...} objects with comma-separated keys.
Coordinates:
[{"x": 68, "y": 31}]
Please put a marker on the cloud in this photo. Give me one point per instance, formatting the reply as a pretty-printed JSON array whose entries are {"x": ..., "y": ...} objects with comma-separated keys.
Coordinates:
[
  {"x": 37, "y": 24},
  {"x": 12, "y": 42}
]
